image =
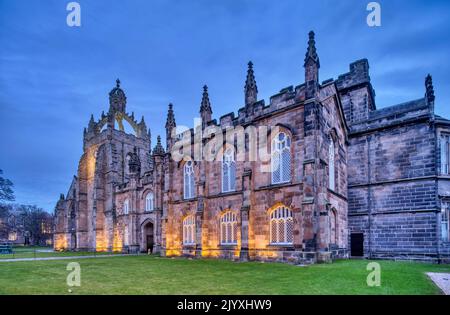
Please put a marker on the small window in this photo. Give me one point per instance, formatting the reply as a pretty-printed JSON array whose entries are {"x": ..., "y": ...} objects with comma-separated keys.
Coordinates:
[
  {"x": 445, "y": 228},
  {"x": 149, "y": 202},
  {"x": 228, "y": 171},
  {"x": 444, "y": 147},
  {"x": 12, "y": 236},
  {"x": 281, "y": 158},
  {"x": 228, "y": 228},
  {"x": 189, "y": 180},
  {"x": 281, "y": 226},
  {"x": 331, "y": 165},
  {"x": 189, "y": 230},
  {"x": 126, "y": 207}
]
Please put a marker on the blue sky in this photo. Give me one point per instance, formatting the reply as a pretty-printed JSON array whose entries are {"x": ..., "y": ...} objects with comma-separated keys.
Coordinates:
[{"x": 52, "y": 77}]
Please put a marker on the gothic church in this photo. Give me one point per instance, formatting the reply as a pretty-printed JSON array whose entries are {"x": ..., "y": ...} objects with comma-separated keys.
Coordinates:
[{"x": 344, "y": 179}]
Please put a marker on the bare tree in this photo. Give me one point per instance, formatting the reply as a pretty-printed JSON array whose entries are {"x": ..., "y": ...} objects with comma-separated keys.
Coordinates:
[{"x": 6, "y": 191}]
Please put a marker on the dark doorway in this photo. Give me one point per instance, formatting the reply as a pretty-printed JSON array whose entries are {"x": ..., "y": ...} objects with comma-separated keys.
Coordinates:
[
  {"x": 357, "y": 244},
  {"x": 149, "y": 238}
]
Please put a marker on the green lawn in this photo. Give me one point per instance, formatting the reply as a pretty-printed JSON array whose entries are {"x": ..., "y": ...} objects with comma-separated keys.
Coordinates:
[{"x": 155, "y": 275}]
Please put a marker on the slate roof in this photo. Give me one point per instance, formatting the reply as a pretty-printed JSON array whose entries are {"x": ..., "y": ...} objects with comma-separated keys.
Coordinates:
[{"x": 398, "y": 109}]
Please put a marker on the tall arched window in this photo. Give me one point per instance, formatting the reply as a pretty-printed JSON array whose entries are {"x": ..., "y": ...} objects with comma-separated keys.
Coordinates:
[
  {"x": 189, "y": 230},
  {"x": 149, "y": 202},
  {"x": 445, "y": 226},
  {"x": 281, "y": 226},
  {"x": 281, "y": 158},
  {"x": 125, "y": 236},
  {"x": 228, "y": 171},
  {"x": 331, "y": 165},
  {"x": 126, "y": 206},
  {"x": 228, "y": 228},
  {"x": 189, "y": 180}
]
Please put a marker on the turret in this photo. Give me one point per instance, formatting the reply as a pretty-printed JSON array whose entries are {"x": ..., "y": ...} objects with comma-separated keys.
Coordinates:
[{"x": 117, "y": 99}]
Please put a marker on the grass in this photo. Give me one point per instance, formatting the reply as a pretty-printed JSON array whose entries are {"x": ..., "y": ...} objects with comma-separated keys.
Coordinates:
[{"x": 155, "y": 275}]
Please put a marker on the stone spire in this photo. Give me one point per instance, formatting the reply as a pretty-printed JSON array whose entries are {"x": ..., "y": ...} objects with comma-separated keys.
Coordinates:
[
  {"x": 205, "y": 107},
  {"x": 429, "y": 94},
  {"x": 251, "y": 90},
  {"x": 170, "y": 125},
  {"x": 158, "y": 150},
  {"x": 312, "y": 66},
  {"x": 117, "y": 99}
]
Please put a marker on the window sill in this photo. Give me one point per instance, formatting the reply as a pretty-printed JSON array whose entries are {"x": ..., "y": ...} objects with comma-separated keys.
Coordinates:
[
  {"x": 282, "y": 245},
  {"x": 280, "y": 185},
  {"x": 228, "y": 245}
]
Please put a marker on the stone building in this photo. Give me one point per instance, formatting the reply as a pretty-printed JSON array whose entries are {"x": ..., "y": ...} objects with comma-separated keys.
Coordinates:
[{"x": 316, "y": 174}]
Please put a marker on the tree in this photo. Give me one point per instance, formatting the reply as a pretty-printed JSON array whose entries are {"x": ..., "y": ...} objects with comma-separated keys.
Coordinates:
[
  {"x": 6, "y": 191},
  {"x": 5, "y": 210},
  {"x": 37, "y": 223}
]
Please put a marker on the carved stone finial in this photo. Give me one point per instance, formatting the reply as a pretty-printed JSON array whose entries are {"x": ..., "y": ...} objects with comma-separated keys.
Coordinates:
[
  {"x": 91, "y": 125},
  {"x": 206, "y": 104},
  {"x": 251, "y": 89},
  {"x": 158, "y": 150},
  {"x": 170, "y": 122},
  {"x": 429, "y": 89},
  {"x": 118, "y": 83},
  {"x": 311, "y": 52},
  {"x": 170, "y": 125}
]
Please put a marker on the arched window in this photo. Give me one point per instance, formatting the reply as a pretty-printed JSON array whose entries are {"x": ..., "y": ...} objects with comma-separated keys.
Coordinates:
[
  {"x": 125, "y": 236},
  {"x": 126, "y": 206},
  {"x": 228, "y": 171},
  {"x": 331, "y": 166},
  {"x": 189, "y": 230},
  {"x": 333, "y": 227},
  {"x": 445, "y": 227},
  {"x": 281, "y": 226},
  {"x": 149, "y": 202},
  {"x": 228, "y": 228},
  {"x": 281, "y": 158},
  {"x": 188, "y": 180}
]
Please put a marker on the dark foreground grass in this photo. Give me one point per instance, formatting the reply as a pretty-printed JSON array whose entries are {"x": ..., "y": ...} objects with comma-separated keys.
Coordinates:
[
  {"x": 155, "y": 275},
  {"x": 44, "y": 252}
]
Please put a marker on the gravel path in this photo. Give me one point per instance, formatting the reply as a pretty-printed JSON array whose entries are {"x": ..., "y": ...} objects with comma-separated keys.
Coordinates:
[
  {"x": 62, "y": 258},
  {"x": 442, "y": 280}
]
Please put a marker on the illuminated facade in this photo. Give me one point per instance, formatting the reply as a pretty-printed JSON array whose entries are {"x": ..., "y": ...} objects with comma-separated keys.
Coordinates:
[{"x": 296, "y": 205}]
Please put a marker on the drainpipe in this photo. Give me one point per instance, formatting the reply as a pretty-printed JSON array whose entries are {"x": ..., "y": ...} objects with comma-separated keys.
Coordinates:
[
  {"x": 369, "y": 195},
  {"x": 436, "y": 183}
]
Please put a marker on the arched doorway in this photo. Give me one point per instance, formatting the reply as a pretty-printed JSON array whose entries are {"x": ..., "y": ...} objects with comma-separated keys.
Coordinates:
[{"x": 149, "y": 238}]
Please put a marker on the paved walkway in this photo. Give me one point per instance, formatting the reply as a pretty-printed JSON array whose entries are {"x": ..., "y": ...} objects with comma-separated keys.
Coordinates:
[
  {"x": 442, "y": 280},
  {"x": 65, "y": 257}
]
